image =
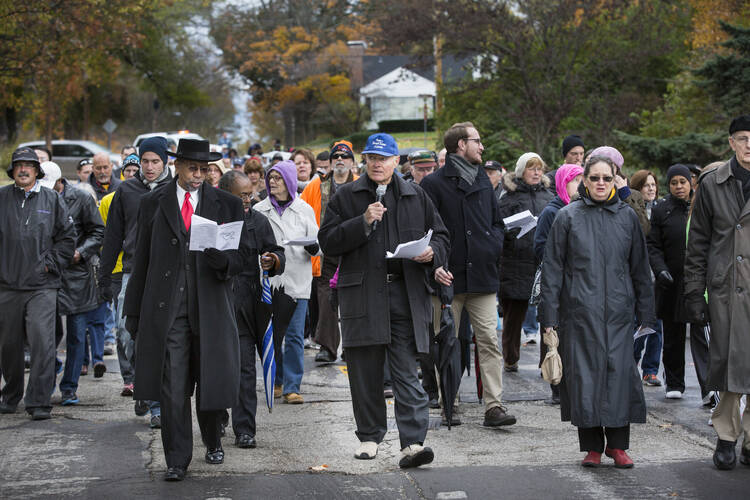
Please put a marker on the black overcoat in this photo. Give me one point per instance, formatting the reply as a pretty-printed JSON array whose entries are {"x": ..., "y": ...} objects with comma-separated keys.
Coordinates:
[
  {"x": 471, "y": 214},
  {"x": 362, "y": 288},
  {"x": 595, "y": 282},
  {"x": 159, "y": 268}
]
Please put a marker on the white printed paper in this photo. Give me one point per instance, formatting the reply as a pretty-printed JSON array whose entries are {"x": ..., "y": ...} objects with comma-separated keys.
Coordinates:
[
  {"x": 524, "y": 220},
  {"x": 205, "y": 233},
  {"x": 300, "y": 242},
  {"x": 644, "y": 330},
  {"x": 411, "y": 249}
]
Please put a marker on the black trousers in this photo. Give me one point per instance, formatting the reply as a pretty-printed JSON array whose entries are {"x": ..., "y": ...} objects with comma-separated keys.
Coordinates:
[
  {"x": 365, "y": 367},
  {"x": 514, "y": 313},
  {"x": 673, "y": 355},
  {"x": 592, "y": 438},
  {"x": 252, "y": 320},
  {"x": 181, "y": 374}
]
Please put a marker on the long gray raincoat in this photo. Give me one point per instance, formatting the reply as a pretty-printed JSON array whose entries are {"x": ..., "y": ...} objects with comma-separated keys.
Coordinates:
[
  {"x": 595, "y": 281},
  {"x": 718, "y": 260}
]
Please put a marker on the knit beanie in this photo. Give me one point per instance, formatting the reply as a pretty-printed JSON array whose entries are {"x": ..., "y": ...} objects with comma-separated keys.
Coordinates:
[
  {"x": 156, "y": 145},
  {"x": 611, "y": 153},
  {"x": 678, "y": 169},
  {"x": 570, "y": 142},
  {"x": 523, "y": 160}
]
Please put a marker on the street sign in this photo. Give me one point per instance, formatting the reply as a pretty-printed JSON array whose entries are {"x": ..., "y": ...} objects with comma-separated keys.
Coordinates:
[{"x": 109, "y": 126}]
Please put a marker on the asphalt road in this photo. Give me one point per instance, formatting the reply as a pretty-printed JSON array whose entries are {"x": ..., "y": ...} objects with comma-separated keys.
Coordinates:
[{"x": 101, "y": 449}]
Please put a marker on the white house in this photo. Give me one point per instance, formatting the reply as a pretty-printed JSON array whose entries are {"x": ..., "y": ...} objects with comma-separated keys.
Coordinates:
[{"x": 400, "y": 94}]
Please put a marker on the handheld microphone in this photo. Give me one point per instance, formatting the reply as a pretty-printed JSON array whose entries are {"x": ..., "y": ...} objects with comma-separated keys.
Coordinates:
[{"x": 379, "y": 194}]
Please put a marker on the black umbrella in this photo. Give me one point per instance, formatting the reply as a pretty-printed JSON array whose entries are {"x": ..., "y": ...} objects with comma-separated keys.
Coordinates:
[{"x": 449, "y": 354}]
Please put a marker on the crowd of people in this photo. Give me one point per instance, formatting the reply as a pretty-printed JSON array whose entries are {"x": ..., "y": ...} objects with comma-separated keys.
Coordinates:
[{"x": 617, "y": 273}]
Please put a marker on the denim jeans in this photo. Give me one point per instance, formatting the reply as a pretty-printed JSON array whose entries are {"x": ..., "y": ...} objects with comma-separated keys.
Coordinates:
[
  {"x": 652, "y": 354},
  {"x": 78, "y": 324},
  {"x": 109, "y": 325},
  {"x": 125, "y": 344},
  {"x": 530, "y": 324},
  {"x": 294, "y": 349}
]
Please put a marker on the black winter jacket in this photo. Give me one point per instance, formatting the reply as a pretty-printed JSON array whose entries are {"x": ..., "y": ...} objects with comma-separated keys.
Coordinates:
[
  {"x": 666, "y": 251},
  {"x": 471, "y": 216},
  {"x": 34, "y": 232},
  {"x": 518, "y": 264},
  {"x": 114, "y": 183},
  {"x": 121, "y": 223},
  {"x": 79, "y": 292}
]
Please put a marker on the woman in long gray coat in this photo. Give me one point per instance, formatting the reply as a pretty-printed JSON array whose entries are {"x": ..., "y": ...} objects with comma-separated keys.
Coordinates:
[{"x": 595, "y": 281}]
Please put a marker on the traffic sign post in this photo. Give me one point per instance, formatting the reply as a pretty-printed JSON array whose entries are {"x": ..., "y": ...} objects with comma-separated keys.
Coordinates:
[{"x": 109, "y": 127}]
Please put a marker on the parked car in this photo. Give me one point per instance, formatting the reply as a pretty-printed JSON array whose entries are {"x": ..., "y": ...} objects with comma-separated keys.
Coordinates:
[
  {"x": 67, "y": 153},
  {"x": 175, "y": 136}
]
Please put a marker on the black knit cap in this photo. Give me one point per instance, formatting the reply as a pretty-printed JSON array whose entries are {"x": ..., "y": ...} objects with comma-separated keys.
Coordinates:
[
  {"x": 570, "y": 142},
  {"x": 740, "y": 123},
  {"x": 678, "y": 169}
]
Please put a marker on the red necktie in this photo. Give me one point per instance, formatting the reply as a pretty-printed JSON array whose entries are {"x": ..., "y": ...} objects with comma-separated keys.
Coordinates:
[{"x": 187, "y": 211}]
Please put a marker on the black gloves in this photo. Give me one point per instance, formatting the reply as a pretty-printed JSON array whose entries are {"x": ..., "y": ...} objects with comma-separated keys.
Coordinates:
[
  {"x": 312, "y": 249},
  {"x": 696, "y": 308},
  {"x": 105, "y": 290},
  {"x": 131, "y": 325},
  {"x": 664, "y": 279},
  {"x": 216, "y": 259}
]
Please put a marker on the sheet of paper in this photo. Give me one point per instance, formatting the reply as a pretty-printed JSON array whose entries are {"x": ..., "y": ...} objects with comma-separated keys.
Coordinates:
[
  {"x": 205, "y": 233},
  {"x": 644, "y": 330},
  {"x": 524, "y": 220},
  {"x": 410, "y": 249},
  {"x": 300, "y": 242}
]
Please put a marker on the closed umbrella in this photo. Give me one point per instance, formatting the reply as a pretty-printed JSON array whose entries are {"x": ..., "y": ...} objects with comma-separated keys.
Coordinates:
[{"x": 449, "y": 354}]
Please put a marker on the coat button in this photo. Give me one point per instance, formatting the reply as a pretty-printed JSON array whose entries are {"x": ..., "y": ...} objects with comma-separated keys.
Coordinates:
[
  {"x": 161, "y": 305},
  {"x": 738, "y": 289},
  {"x": 739, "y": 258},
  {"x": 468, "y": 232},
  {"x": 468, "y": 265},
  {"x": 174, "y": 241},
  {"x": 739, "y": 226},
  {"x": 167, "y": 274},
  {"x": 187, "y": 267},
  {"x": 487, "y": 233},
  {"x": 182, "y": 288}
]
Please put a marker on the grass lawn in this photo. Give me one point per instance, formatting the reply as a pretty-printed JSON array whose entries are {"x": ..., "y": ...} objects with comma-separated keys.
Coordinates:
[{"x": 404, "y": 140}]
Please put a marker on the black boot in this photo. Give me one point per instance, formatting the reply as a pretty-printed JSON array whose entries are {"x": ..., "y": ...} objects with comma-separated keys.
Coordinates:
[
  {"x": 745, "y": 456},
  {"x": 725, "y": 456}
]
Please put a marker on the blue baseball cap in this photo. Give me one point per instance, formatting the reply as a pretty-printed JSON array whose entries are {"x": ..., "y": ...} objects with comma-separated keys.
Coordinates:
[{"x": 381, "y": 144}]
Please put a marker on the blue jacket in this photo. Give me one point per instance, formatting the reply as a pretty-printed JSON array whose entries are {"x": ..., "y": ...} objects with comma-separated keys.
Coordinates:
[{"x": 543, "y": 225}]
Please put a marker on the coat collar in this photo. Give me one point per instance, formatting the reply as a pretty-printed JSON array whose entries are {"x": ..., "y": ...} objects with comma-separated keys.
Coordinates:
[
  {"x": 207, "y": 206},
  {"x": 404, "y": 188},
  {"x": 724, "y": 172},
  {"x": 451, "y": 171}
]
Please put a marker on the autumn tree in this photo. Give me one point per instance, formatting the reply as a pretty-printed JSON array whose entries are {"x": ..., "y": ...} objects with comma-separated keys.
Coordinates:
[{"x": 293, "y": 55}]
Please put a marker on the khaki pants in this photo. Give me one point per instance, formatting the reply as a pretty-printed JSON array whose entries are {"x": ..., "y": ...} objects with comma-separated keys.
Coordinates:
[
  {"x": 728, "y": 422},
  {"x": 483, "y": 314}
]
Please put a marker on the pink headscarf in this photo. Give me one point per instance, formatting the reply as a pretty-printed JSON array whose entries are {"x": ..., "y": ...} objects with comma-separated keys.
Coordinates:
[{"x": 566, "y": 173}]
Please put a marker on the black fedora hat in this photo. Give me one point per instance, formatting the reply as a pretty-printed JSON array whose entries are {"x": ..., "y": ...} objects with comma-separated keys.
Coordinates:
[{"x": 193, "y": 149}]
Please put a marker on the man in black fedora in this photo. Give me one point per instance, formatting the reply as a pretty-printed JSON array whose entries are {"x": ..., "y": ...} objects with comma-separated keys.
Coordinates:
[{"x": 178, "y": 306}]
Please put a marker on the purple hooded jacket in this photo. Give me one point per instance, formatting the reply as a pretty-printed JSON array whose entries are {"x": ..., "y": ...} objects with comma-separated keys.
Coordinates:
[{"x": 288, "y": 171}]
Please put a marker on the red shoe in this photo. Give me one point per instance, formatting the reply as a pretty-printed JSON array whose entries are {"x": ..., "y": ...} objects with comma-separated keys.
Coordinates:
[
  {"x": 592, "y": 459},
  {"x": 622, "y": 460},
  {"x": 127, "y": 390}
]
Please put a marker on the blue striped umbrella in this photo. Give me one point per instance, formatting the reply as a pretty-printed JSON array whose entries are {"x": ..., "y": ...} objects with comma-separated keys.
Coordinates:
[{"x": 268, "y": 358}]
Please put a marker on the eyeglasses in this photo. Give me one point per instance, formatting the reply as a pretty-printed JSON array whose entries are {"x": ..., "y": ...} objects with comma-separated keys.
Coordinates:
[
  {"x": 246, "y": 196},
  {"x": 340, "y": 157},
  {"x": 274, "y": 178},
  {"x": 193, "y": 169},
  {"x": 475, "y": 139},
  {"x": 535, "y": 169},
  {"x": 743, "y": 139},
  {"x": 597, "y": 178}
]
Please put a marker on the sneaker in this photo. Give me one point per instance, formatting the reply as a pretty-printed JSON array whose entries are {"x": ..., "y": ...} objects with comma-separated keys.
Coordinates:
[
  {"x": 531, "y": 338},
  {"x": 293, "y": 398},
  {"x": 415, "y": 455},
  {"x": 155, "y": 422},
  {"x": 41, "y": 414},
  {"x": 69, "y": 399},
  {"x": 140, "y": 407},
  {"x": 99, "y": 369},
  {"x": 511, "y": 368},
  {"x": 497, "y": 416},
  {"x": 592, "y": 459},
  {"x": 127, "y": 390},
  {"x": 109, "y": 348},
  {"x": 325, "y": 356},
  {"x": 652, "y": 380},
  {"x": 367, "y": 450},
  {"x": 622, "y": 460},
  {"x": 710, "y": 400},
  {"x": 674, "y": 395}
]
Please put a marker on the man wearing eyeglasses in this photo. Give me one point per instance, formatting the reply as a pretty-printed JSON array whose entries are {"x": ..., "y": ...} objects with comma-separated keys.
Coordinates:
[
  {"x": 464, "y": 197},
  {"x": 317, "y": 194},
  {"x": 718, "y": 261},
  {"x": 422, "y": 164},
  {"x": 179, "y": 306}
]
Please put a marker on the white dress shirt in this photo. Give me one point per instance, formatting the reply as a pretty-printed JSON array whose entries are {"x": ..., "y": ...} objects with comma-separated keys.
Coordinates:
[{"x": 181, "y": 197}]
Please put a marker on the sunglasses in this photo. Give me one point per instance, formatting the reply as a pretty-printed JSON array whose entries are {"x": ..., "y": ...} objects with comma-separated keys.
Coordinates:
[
  {"x": 597, "y": 178},
  {"x": 340, "y": 157}
]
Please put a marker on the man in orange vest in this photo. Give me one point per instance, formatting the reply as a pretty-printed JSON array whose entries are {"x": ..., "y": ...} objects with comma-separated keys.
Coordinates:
[{"x": 317, "y": 194}]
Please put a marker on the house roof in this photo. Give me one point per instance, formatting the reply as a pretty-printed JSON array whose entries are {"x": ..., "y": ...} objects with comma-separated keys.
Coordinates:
[
  {"x": 374, "y": 67},
  {"x": 399, "y": 82}
]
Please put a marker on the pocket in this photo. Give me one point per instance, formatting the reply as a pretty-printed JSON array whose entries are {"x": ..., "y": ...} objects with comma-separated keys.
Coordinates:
[{"x": 352, "y": 295}]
